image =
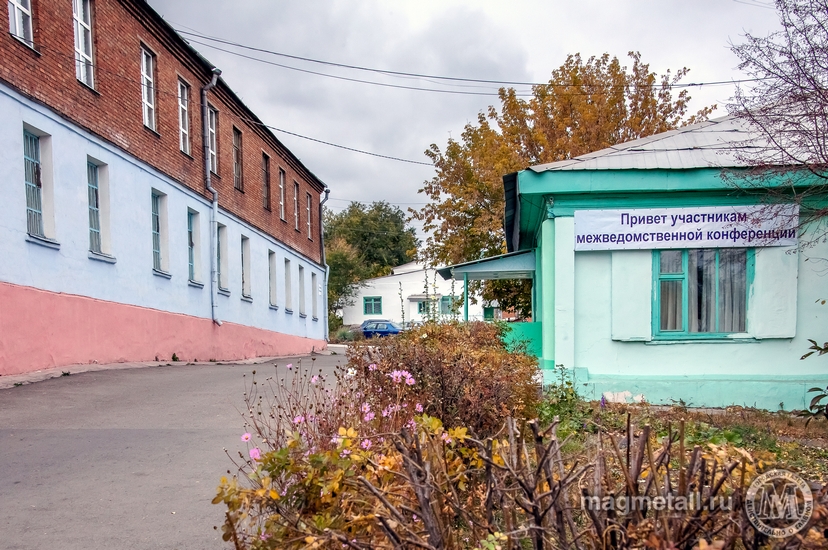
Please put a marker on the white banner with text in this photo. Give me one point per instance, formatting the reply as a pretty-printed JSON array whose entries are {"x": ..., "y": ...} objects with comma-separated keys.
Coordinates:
[{"x": 693, "y": 227}]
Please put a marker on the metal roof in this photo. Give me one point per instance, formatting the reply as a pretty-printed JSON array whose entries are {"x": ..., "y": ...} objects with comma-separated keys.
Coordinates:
[
  {"x": 514, "y": 265},
  {"x": 709, "y": 144}
]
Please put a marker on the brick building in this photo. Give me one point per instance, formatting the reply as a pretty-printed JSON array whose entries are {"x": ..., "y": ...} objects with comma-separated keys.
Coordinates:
[{"x": 115, "y": 134}]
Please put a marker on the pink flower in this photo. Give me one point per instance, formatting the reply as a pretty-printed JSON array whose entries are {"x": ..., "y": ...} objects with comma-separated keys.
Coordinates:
[
  {"x": 372, "y": 367},
  {"x": 386, "y": 411},
  {"x": 245, "y": 437},
  {"x": 366, "y": 407},
  {"x": 409, "y": 381},
  {"x": 445, "y": 437},
  {"x": 411, "y": 424},
  {"x": 366, "y": 444},
  {"x": 289, "y": 366},
  {"x": 298, "y": 419},
  {"x": 314, "y": 379},
  {"x": 369, "y": 416},
  {"x": 418, "y": 408},
  {"x": 345, "y": 452},
  {"x": 255, "y": 453},
  {"x": 335, "y": 440}
]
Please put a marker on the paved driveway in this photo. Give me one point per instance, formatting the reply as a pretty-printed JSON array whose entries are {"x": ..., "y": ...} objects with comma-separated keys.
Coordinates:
[{"x": 121, "y": 459}]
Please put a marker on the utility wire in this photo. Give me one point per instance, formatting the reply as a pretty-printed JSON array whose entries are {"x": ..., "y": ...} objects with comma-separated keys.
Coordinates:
[
  {"x": 414, "y": 75},
  {"x": 337, "y": 77}
]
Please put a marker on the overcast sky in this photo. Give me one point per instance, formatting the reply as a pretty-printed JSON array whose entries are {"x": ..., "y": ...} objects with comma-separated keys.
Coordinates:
[{"x": 519, "y": 40}]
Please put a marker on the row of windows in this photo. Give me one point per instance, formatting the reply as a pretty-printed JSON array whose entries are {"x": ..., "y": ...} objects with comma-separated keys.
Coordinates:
[
  {"x": 20, "y": 26},
  {"x": 98, "y": 209},
  {"x": 372, "y": 305}
]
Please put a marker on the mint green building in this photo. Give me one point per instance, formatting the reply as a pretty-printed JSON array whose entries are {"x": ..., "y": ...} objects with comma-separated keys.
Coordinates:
[{"x": 655, "y": 278}]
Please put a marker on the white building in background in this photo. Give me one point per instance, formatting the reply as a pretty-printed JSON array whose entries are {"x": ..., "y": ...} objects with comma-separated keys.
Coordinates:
[{"x": 406, "y": 296}]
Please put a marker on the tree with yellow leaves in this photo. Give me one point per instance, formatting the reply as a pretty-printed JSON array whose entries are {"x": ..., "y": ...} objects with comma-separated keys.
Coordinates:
[{"x": 585, "y": 106}]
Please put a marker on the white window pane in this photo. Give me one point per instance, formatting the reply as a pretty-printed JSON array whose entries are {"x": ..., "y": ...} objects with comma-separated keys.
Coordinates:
[
  {"x": 701, "y": 290},
  {"x": 670, "y": 301}
]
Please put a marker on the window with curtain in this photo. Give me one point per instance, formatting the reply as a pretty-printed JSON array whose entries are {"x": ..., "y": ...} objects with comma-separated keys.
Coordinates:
[{"x": 701, "y": 292}]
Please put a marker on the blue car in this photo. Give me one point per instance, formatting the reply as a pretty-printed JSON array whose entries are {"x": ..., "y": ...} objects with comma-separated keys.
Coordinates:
[{"x": 377, "y": 329}]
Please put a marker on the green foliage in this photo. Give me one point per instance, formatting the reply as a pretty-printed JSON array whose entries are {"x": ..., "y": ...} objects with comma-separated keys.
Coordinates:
[
  {"x": 347, "y": 271},
  {"x": 378, "y": 233},
  {"x": 816, "y": 408},
  {"x": 561, "y": 399}
]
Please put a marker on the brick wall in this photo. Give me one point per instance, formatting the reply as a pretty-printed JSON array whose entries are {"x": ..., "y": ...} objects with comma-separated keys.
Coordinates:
[{"x": 113, "y": 110}]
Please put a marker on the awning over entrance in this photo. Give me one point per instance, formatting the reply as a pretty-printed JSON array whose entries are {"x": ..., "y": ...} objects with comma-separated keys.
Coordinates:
[{"x": 515, "y": 265}]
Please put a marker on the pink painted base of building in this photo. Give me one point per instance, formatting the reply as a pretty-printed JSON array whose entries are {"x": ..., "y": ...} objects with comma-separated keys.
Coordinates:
[{"x": 41, "y": 329}]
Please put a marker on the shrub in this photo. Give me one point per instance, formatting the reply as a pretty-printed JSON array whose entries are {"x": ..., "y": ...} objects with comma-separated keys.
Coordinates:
[{"x": 465, "y": 374}]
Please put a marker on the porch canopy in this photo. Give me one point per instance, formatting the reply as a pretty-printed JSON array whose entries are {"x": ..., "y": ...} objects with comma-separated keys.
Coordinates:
[{"x": 514, "y": 265}]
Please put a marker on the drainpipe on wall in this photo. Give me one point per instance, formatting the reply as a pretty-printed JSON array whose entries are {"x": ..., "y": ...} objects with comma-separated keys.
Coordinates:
[
  {"x": 205, "y": 133},
  {"x": 324, "y": 262}
]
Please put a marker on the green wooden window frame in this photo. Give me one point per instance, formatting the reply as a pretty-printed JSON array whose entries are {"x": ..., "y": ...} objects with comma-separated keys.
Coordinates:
[
  {"x": 682, "y": 278},
  {"x": 372, "y": 305}
]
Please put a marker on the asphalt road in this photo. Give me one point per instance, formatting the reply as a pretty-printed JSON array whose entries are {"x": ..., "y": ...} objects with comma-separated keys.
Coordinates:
[{"x": 121, "y": 459}]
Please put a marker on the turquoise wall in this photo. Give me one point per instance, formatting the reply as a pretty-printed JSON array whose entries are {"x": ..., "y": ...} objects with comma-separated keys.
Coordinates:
[{"x": 529, "y": 333}]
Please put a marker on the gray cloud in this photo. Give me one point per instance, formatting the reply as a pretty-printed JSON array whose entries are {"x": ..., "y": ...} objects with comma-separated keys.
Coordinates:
[{"x": 518, "y": 40}]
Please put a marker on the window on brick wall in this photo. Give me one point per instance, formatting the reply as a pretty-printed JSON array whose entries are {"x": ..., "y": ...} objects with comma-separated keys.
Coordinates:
[
  {"x": 82, "y": 16},
  {"x": 281, "y": 193},
  {"x": 148, "y": 87},
  {"x": 308, "y": 214},
  {"x": 238, "y": 182},
  {"x": 212, "y": 129},
  {"x": 20, "y": 20},
  {"x": 266, "y": 181},
  {"x": 296, "y": 206},
  {"x": 184, "y": 117}
]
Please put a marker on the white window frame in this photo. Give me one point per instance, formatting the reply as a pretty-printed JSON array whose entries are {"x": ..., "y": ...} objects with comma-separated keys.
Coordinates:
[
  {"x": 302, "y": 309},
  {"x": 103, "y": 206},
  {"x": 296, "y": 205},
  {"x": 212, "y": 126},
  {"x": 82, "y": 20},
  {"x": 194, "y": 244},
  {"x": 184, "y": 116},
  {"x": 238, "y": 160},
  {"x": 314, "y": 297},
  {"x": 245, "y": 267},
  {"x": 222, "y": 263},
  {"x": 44, "y": 181},
  {"x": 20, "y": 21},
  {"x": 272, "y": 280},
  {"x": 160, "y": 227},
  {"x": 288, "y": 289},
  {"x": 148, "y": 88},
  {"x": 308, "y": 214},
  {"x": 281, "y": 194}
]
